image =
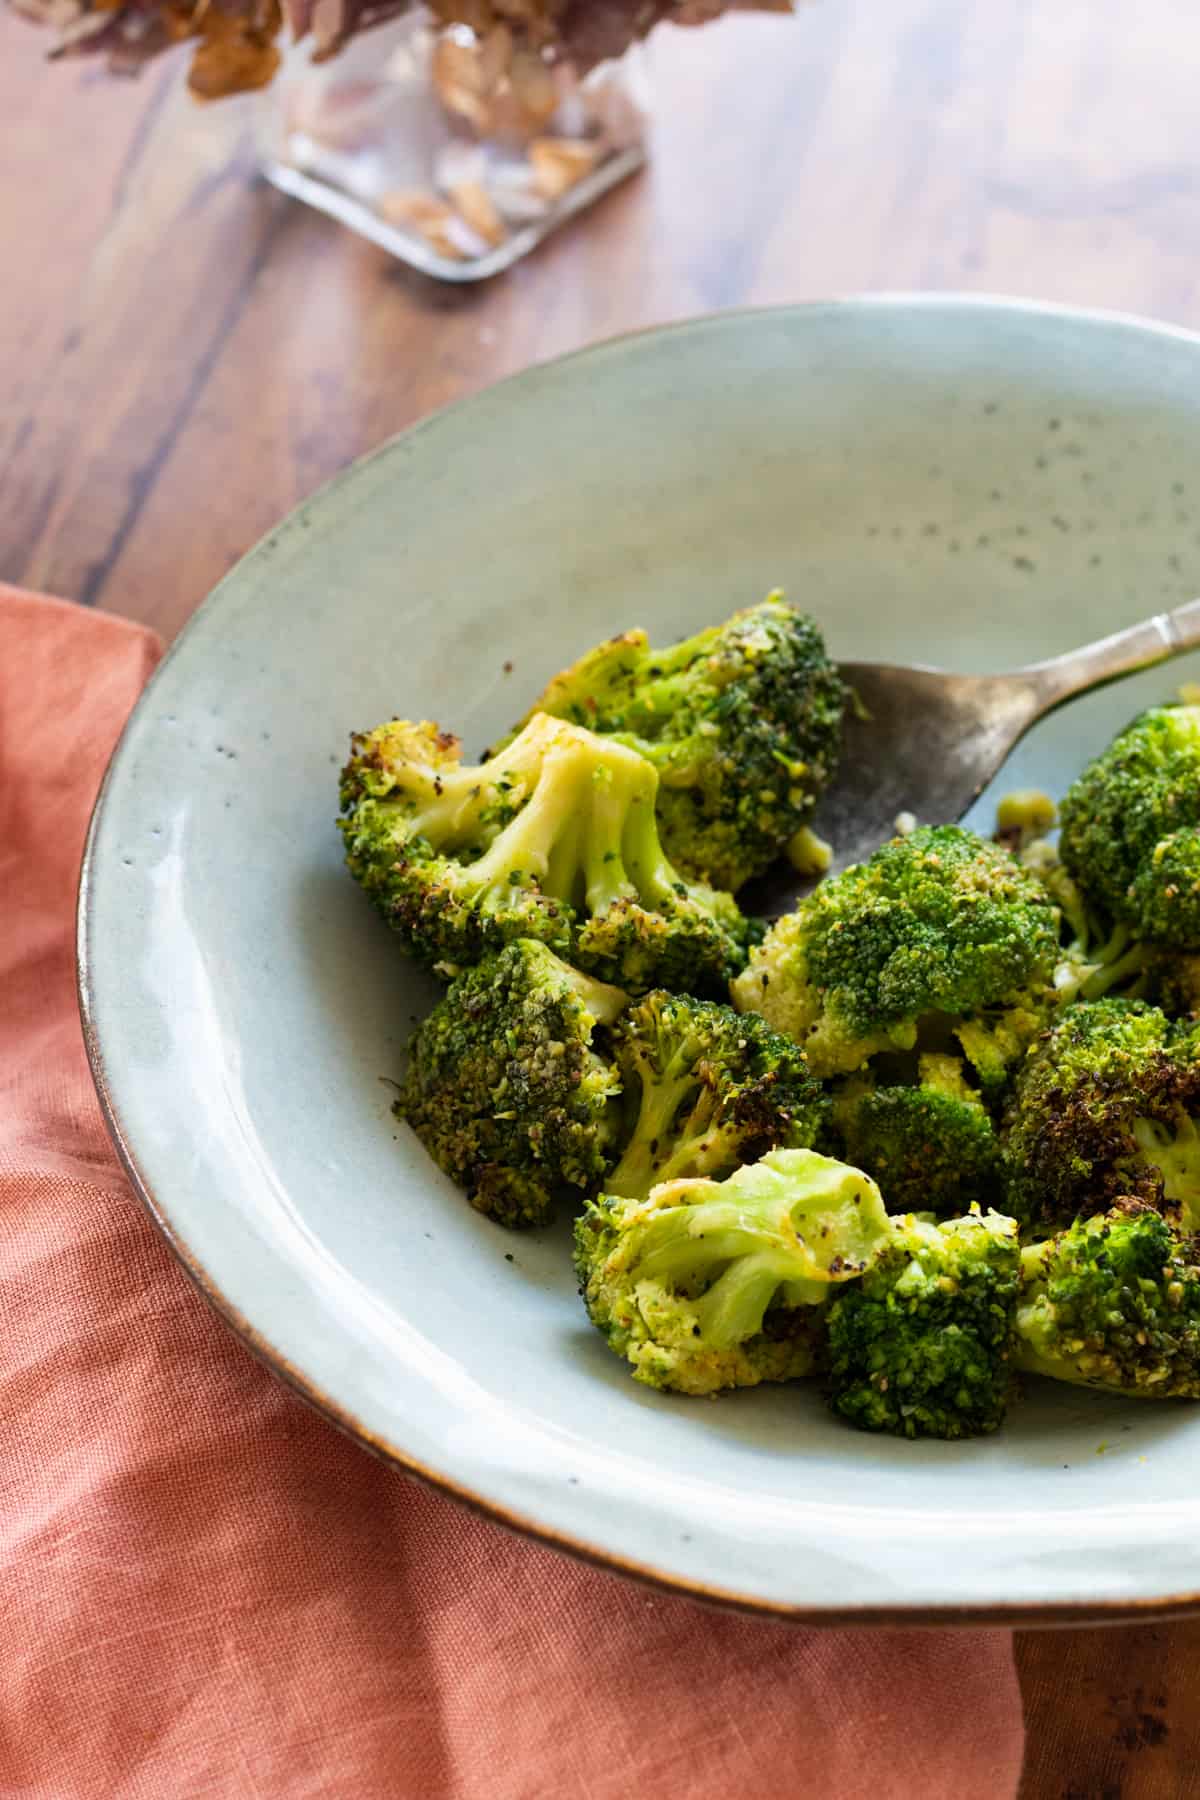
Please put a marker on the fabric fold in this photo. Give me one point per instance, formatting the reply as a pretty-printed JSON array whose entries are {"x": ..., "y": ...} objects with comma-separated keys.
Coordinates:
[{"x": 205, "y": 1589}]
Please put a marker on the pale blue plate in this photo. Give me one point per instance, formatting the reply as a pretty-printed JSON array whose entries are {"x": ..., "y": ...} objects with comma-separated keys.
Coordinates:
[{"x": 972, "y": 483}]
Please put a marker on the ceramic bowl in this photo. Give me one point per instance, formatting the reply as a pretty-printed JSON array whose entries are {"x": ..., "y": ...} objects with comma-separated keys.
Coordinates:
[{"x": 967, "y": 483}]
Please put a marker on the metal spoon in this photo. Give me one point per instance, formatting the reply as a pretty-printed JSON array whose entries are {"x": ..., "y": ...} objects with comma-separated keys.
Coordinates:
[{"x": 932, "y": 741}]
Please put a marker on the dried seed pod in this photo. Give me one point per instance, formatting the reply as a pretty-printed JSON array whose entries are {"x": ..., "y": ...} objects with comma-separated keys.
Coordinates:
[
  {"x": 442, "y": 228},
  {"x": 458, "y": 83},
  {"x": 558, "y": 163},
  {"x": 476, "y": 15},
  {"x": 236, "y": 37},
  {"x": 534, "y": 89},
  {"x": 474, "y": 204},
  {"x": 232, "y": 65},
  {"x": 494, "y": 56}
]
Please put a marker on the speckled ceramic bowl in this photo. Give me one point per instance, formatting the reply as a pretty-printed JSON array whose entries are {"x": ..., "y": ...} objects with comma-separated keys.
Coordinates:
[{"x": 955, "y": 481}]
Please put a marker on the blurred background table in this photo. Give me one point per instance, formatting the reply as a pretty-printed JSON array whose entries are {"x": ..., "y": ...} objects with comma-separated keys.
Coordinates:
[{"x": 184, "y": 355}]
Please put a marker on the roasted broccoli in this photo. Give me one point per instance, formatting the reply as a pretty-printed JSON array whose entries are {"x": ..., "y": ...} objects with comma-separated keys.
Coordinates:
[
  {"x": 922, "y": 1345},
  {"x": 1105, "y": 1107},
  {"x": 939, "y": 933},
  {"x": 554, "y": 839},
  {"x": 1114, "y": 1302},
  {"x": 743, "y": 723},
  {"x": 705, "y": 1089},
  {"x": 507, "y": 1086},
  {"x": 1131, "y": 828},
  {"x": 930, "y": 1144},
  {"x": 717, "y": 1284},
  {"x": 1173, "y": 982}
]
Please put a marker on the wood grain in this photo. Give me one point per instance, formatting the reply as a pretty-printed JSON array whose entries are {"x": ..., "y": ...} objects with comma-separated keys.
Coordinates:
[{"x": 185, "y": 355}]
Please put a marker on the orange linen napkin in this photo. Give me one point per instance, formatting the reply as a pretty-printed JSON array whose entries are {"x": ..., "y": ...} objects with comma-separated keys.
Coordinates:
[{"x": 206, "y": 1590}]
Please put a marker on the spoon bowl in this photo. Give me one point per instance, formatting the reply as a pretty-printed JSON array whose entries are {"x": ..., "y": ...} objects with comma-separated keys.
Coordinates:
[{"x": 925, "y": 743}]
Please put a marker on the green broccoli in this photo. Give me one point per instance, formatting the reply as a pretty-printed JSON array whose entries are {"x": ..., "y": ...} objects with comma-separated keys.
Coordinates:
[
  {"x": 717, "y": 1284},
  {"x": 930, "y": 1145},
  {"x": 742, "y": 721},
  {"x": 507, "y": 1087},
  {"x": 922, "y": 1345},
  {"x": 938, "y": 932},
  {"x": 1105, "y": 1107},
  {"x": 705, "y": 1089},
  {"x": 1113, "y": 1302},
  {"x": 1096, "y": 959},
  {"x": 553, "y": 839},
  {"x": 1131, "y": 828}
]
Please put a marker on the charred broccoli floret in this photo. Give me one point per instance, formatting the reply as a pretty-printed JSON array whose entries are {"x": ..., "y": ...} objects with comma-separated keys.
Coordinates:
[
  {"x": 705, "y": 1089},
  {"x": 508, "y": 1084},
  {"x": 921, "y": 1346},
  {"x": 553, "y": 839},
  {"x": 1114, "y": 1302},
  {"x": 938, "y": 931},
  {"x": 1104, "y": 1107},
  {"x": 716, "y": 1284},
  {"x": 743, "y": 723},
  {"x": 1173, "y": 982},
  {"x": 931, "y": 1144},
  {"x": 1131, "y": 828}
]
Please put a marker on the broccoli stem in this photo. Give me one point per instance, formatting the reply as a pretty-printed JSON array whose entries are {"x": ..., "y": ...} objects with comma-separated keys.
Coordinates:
[
  {"x": 733, "y": 1308},
  {"x": 639, "y": 1168},
  {"x": 605, "y": 1002},
  {"x": 523, "y": 852},
  {"x": 740, "y": 1263},
  {"x": 662, "y": 1099},
  {"x": 809, "y": 1219},
  {"x": 683, "y": 1242},
  {"x": 444, "y": 804},
  {"x": 644, "y": 855},
  {"x": 1113, "y": 964},
  {"x": 616, "y": 788}
]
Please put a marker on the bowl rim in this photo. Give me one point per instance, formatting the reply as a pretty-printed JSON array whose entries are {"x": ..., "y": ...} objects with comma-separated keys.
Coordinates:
[{"x": 1137, "y": 1609}]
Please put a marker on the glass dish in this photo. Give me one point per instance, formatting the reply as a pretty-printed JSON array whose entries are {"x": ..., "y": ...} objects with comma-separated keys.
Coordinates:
[{"x": 456, "y": 152}]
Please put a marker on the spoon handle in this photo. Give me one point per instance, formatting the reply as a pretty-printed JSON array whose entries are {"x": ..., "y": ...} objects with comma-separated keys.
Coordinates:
[{"x": 1155, "y": 640}]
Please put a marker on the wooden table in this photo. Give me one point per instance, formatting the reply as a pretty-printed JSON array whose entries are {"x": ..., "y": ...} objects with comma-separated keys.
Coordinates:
[{"x": 184, "y": 355}]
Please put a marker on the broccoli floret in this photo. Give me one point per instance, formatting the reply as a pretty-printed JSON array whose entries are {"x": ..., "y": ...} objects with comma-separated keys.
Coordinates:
[
  {"x": 743, "y": 723},
  {"x": 1114, "y": 1302},
  {"x": 921, "y": 1346},
  {"x": 1104, "y": 1107},
  {"x": 553, "y": 839},
  {"x": 507, "y": 1086},
  {"x": 706, "y": 1089},
  {"x": 1173, "y": 982},
  {"x": 931, "y": 1145},
  {"x": 939, "y": 930},
  {"x": 716, "y": 1284},
  {"x": 1131, "y": 828}
]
